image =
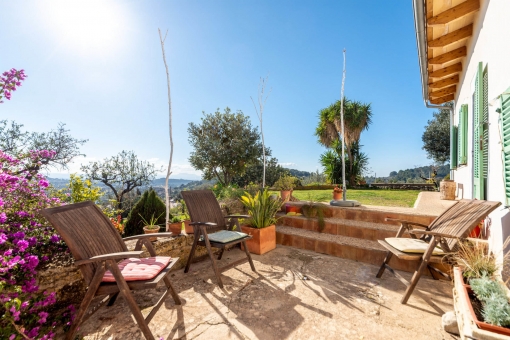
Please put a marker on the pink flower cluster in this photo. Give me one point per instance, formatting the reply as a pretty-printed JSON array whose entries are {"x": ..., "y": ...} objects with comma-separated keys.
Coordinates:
[
  {"x": 9, "y": 81},
  {"x": 26, "y": 242}
]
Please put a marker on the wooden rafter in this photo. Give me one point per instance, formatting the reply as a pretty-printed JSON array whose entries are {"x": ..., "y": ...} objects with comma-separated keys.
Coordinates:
[
  {"x": 450, "y": 38},
  {"x": 445, "y": 71},
  {"x": 449, "y": 56},
  {"x": 444, "y": 91},
  {"x": 444, "y": 82},
  {"x": 442, "y": 100},
  {"x": 454, "y": 13}
]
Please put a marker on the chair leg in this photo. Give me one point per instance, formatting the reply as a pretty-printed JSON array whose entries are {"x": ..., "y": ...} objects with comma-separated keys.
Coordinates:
[
  {"x": 112, "y": 299},
  {"x": 383, "y": 266},
  {"x": 192, "y": 252},
  {"x": 89, "y": 295},
  {"x": 221, "y": 253},
  {"x": 211, "y": 255},
  {"x": 172, "y": 291},
  {"x": 248, "y": 256},
  {"x": 417, "y": 274},
  {"x": 128, "y": 296}
]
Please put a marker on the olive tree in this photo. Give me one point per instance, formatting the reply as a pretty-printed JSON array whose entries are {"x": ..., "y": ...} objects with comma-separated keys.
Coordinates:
[
  {"x": 14, "y": 141},
  {"x": 436, "y": 138},
  {"x": 121, "y": 173},
  {"x": 225, "y": 144}
]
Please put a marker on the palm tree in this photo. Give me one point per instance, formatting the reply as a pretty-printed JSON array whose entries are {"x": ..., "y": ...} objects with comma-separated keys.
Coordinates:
[{"x": 357, "y": 118}]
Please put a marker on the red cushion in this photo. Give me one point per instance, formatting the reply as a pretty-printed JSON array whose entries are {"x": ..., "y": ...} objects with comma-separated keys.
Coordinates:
[{"x": 134, "y": 269}]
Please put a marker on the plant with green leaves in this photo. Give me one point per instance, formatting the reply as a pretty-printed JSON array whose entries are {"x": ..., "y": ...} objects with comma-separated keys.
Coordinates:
[
  {"x": 475, "y": 260},
  {"x": 152, "y": 223},
  {"x": 148, "y": 205},
  {"x": 312, "y": 209},
  {"x": 79, "y": 189},
  {"x": 262, "y": 208},
  {"x": 495, "y": 307},
  {"x": 285, "y": 182}
]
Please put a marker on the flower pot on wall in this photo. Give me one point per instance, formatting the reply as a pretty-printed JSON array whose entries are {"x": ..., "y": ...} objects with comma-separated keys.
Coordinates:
[
  {"x": 285, "y": 195},
  {"x": 262, "y": 241},
  {"x": 337, "y": 196},
  {"x": 151, "y": 230},
  {"x": 176, "y": 227}
]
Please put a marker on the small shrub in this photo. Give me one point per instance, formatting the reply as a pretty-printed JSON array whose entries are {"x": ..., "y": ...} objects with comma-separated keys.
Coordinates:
[
  {"x": 149, "y": 205},
  {"x": 285, "y": 182},
  {"x": 496, "y": 310}
]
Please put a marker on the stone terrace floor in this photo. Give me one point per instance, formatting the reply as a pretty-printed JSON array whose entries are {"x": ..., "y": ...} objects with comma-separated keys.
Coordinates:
[{"x": 340, "y": 299}]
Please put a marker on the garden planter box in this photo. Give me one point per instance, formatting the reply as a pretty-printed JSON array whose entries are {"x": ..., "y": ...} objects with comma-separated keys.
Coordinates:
[
  {"x": 175, "y": 228},
  {"x": 262, "y": 241},
  {"x": 469, "y": 326}
]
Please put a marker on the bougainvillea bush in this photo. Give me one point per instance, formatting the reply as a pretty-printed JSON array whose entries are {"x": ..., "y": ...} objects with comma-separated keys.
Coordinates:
[
  {"x": 9, "y": 81},
  {"x": 26, "y": 243}
]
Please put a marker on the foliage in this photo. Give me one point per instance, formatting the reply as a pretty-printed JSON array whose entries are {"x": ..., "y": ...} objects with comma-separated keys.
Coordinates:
[
  {"x": 262, "y": 208},
  {"x": 410, "y": 175},
  {"x": 227, "y": 191},
  {"x": 79, "y": 189},
  {"x": 495, "y": 310},
  {"x": 390, "y": 198},
  {"x": 148, "y": 205},
  {"x": 285, "y": 182},
  {"x": 314, "y": 178},
  {"x": 475, "y": 260},
  {"x": 118, "y": 224},
  {"x": 253, "y": 173},
  {"x": 332, "y": 162},
  {"x": 121, "y": 173},
  {"x": 224, "y": 145},
  {"x": 312, "y": 209},
  {"x": 152, "y": 222},
  {"x": 436, "y": 138},
  {"x": 337, "y": 189},
  {"x": 357, "y": 118},
  {"x": 14, "y": 141},
  {"x": 9, "y": 81},
  {"x": 26, "y": 243}
]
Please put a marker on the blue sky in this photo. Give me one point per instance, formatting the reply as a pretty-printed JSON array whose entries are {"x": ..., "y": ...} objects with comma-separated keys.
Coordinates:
[{"x": 97, "y": 67}]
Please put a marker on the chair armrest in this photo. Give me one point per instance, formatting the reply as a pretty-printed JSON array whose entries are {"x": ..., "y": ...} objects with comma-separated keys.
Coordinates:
[
  {"x": 238, "y": 216},
  {"x": 112, "y": 256},
  {"x": 387, "y": 219},
  {"x": 209, "y": 224},
  {"x": 136, "y": 237},
  {"x": 432, "y": 233}
]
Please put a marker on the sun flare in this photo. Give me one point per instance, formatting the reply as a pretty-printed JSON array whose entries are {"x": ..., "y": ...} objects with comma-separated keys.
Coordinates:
[{"x": 86, "y": 27}]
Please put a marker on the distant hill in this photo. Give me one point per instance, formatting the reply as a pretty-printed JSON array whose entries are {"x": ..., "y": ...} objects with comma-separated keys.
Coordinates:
[{"x": 60, "y": 183}]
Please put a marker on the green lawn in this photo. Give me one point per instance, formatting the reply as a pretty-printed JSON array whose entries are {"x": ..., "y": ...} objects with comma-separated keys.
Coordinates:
[{"x": 390, "y": 198}]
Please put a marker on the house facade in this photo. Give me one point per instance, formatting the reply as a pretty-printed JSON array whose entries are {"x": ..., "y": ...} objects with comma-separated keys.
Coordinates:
[{"x": 464, "y": 59}]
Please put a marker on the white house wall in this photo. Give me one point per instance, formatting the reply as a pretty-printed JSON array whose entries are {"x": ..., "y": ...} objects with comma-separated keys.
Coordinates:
[{"x": 490, "y": 45}]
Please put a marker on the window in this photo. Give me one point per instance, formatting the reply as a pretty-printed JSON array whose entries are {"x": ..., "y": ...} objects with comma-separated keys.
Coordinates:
[{"x": 462, "y": 135}]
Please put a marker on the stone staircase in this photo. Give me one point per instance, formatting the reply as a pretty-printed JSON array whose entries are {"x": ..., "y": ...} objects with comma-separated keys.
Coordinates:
[{"x": 350, "y": 233}]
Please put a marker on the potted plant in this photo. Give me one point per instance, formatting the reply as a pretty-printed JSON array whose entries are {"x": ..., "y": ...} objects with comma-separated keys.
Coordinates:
[
  {"x": 285, "y": 184},
  {"x": 479, "y": 287},
  {"x": 337, "y": 193},
  {"x": 151, "y": 227},
  {"x": 261, "y": 225},
  {"x": 312, "y": 209},
  {"x": 180, "y": 225}
]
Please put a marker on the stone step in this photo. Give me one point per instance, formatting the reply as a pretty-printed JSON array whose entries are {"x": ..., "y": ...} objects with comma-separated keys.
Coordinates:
[
  {"x": 351, "y": 248},
  {"x": 338, "y": 226},
  {"x": 371, "y": 214}
]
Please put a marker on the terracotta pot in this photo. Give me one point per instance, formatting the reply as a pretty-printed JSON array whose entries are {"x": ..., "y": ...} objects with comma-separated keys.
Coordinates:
[
  {"x": 285, "y": 195},
  {"x": 262, "y": 241},
  {"x": 147, "y": 230},
  {"x": 176, "y": 227},
  {"x": 337, "y": 196}
]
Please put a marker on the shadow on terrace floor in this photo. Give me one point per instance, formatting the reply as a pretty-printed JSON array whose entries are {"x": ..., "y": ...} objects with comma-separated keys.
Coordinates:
[{"x": 294, "y": 295}]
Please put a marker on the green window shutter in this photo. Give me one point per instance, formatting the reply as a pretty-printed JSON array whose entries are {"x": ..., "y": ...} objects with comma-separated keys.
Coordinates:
[
  {"x": 462, "y": 135},
  {"x": 477, "y": 135},
  {"x": 505, "y": 127},
  {"x": 484, "y": 127},
  {"x": 453, "y": 147}
]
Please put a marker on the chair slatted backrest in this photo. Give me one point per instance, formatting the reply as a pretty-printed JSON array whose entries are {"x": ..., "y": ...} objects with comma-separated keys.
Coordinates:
[
  {"x": 461, "y": 218},
  {"x": 86, "y": 231},
  {"x": 204, "y": 207}
]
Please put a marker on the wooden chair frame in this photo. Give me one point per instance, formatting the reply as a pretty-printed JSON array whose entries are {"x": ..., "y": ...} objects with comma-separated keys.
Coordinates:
[
  {"x": 206, "y": 218},
  {"x": 445, "y": 231},
  {"x": 81, "y": 226}
]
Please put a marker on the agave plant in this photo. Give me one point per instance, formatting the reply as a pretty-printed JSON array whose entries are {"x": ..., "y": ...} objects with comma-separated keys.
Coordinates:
[{"x": 262, "y": 208}]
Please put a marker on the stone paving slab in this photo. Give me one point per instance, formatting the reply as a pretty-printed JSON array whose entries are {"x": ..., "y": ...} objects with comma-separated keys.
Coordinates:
[{"x": 339, "y": 299}]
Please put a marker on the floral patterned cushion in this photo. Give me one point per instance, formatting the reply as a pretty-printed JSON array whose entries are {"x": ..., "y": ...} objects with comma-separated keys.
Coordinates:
[{"x": 134, "y": 269}]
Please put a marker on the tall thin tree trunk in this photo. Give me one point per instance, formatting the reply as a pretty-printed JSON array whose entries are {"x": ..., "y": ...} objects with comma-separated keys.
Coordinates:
[
  {"x": 168, "y": 171},
  {"x": 262, "y": 103}
]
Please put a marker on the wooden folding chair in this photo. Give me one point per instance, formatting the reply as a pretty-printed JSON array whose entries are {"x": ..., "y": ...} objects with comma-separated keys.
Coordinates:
[
  {"x": 212, "y": 229},
  {"x": 444, "y": 232},
  {"x": 97, "y": 246}
]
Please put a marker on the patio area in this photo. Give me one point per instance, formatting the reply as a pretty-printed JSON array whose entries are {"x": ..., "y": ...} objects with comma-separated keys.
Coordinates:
[{"x": 295, "y": 294}]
